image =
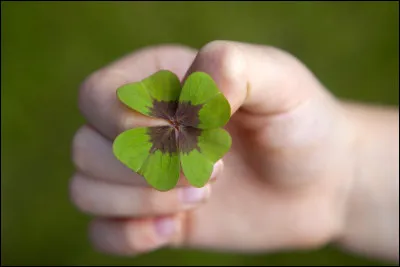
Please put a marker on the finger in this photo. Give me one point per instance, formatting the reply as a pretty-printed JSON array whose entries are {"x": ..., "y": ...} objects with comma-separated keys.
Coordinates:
[
  {"x": 114, "y": 200},
  {"x": 134, "y": 236},
  {"x": 93, "y": 156},
  {"x": 257, "y": 79},
  {"x": 97, "y": 97}
]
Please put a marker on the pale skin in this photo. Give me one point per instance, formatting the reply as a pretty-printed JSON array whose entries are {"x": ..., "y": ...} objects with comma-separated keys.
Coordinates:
[{"x": 305, "y": 168}]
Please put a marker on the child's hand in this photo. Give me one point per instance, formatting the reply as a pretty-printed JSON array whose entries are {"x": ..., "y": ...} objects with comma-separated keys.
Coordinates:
[{"x": 285, "y": 184}]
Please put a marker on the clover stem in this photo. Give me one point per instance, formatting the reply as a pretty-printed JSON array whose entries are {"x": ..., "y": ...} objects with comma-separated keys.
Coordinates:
[
  {"x": 174, "y": 124},
  {"x": 177, "y": 128}
]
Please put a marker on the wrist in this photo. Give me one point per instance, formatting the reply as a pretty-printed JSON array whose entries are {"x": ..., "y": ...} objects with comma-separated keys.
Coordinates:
[{"x": 371, "y": 219}]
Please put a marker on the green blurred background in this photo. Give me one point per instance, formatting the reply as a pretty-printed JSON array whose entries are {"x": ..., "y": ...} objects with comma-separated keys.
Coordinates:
[{"x": 47, "y": 49}]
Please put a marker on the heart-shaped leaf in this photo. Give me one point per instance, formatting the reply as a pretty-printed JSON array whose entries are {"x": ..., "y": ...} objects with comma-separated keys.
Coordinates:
[{"x": 193, "y": 139}]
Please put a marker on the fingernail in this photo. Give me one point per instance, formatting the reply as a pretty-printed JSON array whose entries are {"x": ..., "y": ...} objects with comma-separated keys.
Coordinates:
[
  {"x": 165, "y": 226},
  {"x": 217, "y": 168},
  {"x": 192, "y": 194}
]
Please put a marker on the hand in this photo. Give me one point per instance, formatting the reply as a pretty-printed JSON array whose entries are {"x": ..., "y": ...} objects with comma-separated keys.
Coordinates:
[{"x": 285, "y": 183}]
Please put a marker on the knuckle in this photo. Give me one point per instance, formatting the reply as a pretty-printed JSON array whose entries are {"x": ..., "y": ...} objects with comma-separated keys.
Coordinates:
[
  {"x": 91, "y": 83},
  {"x": 122, "y": 237},
  {"x": 289, "y": 70},
  {"x": 81, "y": 195},
  {"x": 103, "y": 237},
  {"x": 77, "y": 196},
  {"x": 96, "y": 90},
  {"x": 79, "y": 143},
  {"x": 226, "y": 57},
  {"x": 217, "y": 45},
  {"x": 85, "y": 90}
]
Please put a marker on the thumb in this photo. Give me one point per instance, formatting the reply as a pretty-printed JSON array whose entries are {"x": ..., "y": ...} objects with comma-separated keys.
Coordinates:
[{"x": 258, "y": 79}]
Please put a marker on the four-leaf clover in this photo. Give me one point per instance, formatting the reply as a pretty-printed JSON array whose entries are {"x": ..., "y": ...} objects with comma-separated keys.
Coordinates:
[{"x": 192, "y": 141}]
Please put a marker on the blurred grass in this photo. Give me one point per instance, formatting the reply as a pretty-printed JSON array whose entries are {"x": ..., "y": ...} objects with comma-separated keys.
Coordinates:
[{"x": 48, "y": 48}]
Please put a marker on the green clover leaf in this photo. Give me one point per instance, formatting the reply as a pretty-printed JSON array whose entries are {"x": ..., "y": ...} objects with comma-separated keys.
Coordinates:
[{"x": 193, "y": 141}]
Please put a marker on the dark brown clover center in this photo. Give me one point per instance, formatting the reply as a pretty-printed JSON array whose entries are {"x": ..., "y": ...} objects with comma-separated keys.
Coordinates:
[{"x": 181, "y": 135}]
